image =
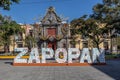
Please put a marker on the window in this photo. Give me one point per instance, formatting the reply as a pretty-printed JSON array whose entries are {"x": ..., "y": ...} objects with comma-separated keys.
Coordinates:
[
  {"x": 64, "y": 45},
  {"x": 20, "y": 45},
  {"x": 19, "y": 37},
  {"x": 73, "y": 46},
  {"x": 118, "y": 47},
  {"x": 31, "y": 32},
  {"x": 106, "y": 45},
  {"x": 51, "y": 31},
  {"x": 85, "y": 44}
]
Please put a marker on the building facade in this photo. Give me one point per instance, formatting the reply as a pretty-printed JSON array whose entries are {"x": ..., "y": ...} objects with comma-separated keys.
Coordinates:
[{"x": 53, "y": 32}]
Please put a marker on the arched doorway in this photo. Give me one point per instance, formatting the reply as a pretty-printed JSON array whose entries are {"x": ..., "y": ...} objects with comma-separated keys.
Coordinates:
[
  {"x": 52, "y": 45},
  {"x": 52, "y": 33}
]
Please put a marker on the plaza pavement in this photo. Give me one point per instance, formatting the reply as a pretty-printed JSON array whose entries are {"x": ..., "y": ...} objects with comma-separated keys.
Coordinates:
[{"x": 111, "y": 71}]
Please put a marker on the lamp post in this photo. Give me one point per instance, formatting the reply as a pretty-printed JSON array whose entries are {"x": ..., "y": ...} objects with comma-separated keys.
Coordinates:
[
  {"x": 67, "y": 29},
  {"x": 117, "y": 42},
  {"x": 79, "y": 44}
]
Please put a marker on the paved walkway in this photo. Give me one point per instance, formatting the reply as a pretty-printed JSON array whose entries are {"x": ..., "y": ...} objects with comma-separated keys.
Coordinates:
[{"x": 111, "y": 71}]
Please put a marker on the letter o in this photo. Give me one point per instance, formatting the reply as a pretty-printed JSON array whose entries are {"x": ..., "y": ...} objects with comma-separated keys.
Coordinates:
[{"x": 57, "y": 52}]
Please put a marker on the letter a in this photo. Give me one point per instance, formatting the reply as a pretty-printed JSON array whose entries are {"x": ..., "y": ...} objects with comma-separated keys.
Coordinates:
[
  {"x": 85, "y": 56},
  {"x": 34, "y": 56}
]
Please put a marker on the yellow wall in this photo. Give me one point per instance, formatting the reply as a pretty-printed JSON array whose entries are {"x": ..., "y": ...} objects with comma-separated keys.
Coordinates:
[{"x": 80, "y": 43}]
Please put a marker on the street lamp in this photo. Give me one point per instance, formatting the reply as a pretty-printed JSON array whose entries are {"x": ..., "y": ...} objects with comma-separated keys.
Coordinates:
[{"x": 79, "y": 44}]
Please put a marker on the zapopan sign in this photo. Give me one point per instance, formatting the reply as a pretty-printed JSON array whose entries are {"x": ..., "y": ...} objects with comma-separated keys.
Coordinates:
[{"x": 72, "y": 53}]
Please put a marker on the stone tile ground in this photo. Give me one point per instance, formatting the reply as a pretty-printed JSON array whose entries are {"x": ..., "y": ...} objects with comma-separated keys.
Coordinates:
[{"x": 111, "y": 71}]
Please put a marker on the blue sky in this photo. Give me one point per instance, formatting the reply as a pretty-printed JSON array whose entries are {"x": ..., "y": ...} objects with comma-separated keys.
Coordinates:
[{"x": 28, "y": 10}]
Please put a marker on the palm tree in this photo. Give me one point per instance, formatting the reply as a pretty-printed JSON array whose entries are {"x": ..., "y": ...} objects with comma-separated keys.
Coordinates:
[{"x": 30, "y": 42}]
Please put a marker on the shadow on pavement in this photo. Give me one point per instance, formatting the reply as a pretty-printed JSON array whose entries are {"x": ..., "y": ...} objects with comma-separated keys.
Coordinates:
[
  {"x": 10, "y": 63},
  {"x": 112, "y": 69}
]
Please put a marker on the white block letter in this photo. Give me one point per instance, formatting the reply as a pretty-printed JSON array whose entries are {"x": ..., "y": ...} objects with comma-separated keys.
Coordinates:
[
  {"x": 85, "y": 56},
  {"x": 34, "y": 56},
  {"x": 18, "y": 59},
  {"x": 98, "y": 56},
  {"x": 71, "y": 55},
  {"x": 46, "y": 54},
  {"x": 57, "y": 53}
]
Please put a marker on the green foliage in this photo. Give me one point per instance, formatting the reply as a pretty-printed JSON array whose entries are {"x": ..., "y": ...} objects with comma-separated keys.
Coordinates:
[
  {"x": 112, "y": 56},
  {"x": 108, "y": 12},
  {"x": 89, "y": 28},
  {"x": 8, "y": 28},
  {"x": 30, "y": 41},
  {"x": 73, "y": 42},
  {"x": 64, "y": 29},
  {"x": 5, "y": 4}
]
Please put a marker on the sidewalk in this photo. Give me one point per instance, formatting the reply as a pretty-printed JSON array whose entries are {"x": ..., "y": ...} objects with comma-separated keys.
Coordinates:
[{"x": 111, "y": 71}]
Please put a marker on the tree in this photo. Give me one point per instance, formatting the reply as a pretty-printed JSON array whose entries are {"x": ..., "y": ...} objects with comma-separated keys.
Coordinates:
[
  {"x": 108, "y": 12},
  {"x": 8, "y": 28},
  {"x": 5, "y": 4},
  {"x": 90, "y": 29},
  {"x": 16, "y": 30},
  {"x": 76, "y": 24},
  {"x": 30, "y": 42}
]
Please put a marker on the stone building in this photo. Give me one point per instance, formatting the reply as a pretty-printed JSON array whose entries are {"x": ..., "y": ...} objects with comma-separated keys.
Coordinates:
[{"x": 53, "y": 32}]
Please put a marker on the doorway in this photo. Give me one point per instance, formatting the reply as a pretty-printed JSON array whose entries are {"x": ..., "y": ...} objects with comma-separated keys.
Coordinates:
[{"x": 52, "y": 45}]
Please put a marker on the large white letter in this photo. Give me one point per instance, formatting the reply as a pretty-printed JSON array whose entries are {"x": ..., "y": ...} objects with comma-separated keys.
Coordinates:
[
  {"x": 34, "y": 56},
  {"x": 57, "y": 52},
  {"x": 71, "y": 55},
  {"x": 47, "y": 53},
  {"x": 18, "y": 59},
  {"x": 98, "y": 56},
  {"x": 85, "y": 56}
]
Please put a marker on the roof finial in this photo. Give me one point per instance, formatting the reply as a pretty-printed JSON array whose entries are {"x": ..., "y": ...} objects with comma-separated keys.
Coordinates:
[{"x": 51, "y": 8}]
